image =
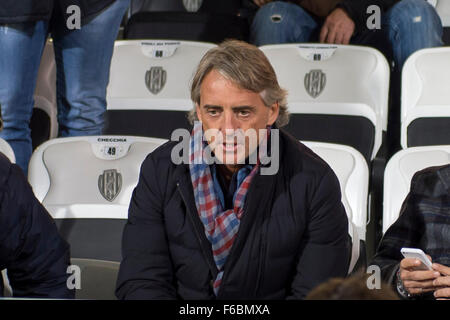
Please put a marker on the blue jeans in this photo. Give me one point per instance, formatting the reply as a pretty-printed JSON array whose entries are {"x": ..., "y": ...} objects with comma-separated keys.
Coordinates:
[
  {"x": 410, "y": 25},
  {"x": 83, "y": 59}
]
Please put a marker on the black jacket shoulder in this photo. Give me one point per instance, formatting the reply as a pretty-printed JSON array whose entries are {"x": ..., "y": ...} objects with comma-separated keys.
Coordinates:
[{"x": 432, "y": 182}]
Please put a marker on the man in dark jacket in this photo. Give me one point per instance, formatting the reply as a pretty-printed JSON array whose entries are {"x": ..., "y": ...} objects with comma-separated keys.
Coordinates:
[
  {"x": 407, "y": 25},
  {"x": 424, "y": 223},
  {"x": 83, "y": 33},
  {"x": 35, "y": 256},
  {"x": 231, "y": 228}
]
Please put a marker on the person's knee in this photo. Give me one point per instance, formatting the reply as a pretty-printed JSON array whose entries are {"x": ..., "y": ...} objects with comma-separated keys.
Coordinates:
[
  {"x": 276, "y": 12},
  {"x": 416, "y": 13}
]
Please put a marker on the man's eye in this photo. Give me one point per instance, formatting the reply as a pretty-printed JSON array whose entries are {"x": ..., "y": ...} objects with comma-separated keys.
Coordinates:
[
  {"x": 213, "y": 112},
  {"x": 244, "y": 113}
]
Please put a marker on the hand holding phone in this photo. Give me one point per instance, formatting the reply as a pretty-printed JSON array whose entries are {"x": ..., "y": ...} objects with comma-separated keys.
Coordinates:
[
  {"x": 412, "y": 278},
  {"x": 413, "y": 253}
]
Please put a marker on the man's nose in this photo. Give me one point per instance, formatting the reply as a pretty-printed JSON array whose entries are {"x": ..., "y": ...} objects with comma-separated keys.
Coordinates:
[{"x": 229, "y": 122}]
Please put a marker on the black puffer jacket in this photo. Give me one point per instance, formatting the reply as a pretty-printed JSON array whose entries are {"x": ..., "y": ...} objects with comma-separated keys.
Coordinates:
[
  {"x": 293, "y": 234},
  {"x": 30, "y": 247},
  {"x": 14, "y": 11}
]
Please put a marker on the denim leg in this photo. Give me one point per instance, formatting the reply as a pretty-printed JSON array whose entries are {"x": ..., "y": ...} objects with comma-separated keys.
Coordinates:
[
  {"x": 21, "y": 49},
  {"x": 412, "y": 25},
  {"x": 83, "y": 59},
  {"x": 281, "y": 22}
]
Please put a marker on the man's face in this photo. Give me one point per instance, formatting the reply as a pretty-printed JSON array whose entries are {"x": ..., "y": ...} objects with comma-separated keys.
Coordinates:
[{"x": 229, "y": 109}]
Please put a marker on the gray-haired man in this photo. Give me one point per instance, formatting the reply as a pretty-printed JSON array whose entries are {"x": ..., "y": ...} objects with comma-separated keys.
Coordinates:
[{"x": 224, "y": 229}]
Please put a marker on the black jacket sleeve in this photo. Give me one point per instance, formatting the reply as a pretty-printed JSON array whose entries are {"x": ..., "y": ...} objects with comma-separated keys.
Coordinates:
[
  {"x": 146, "y": 271},
  {"x": 357, "y": 10},
  {"x": 326, "y": 250},
  {"x": 31, "y": 250}
]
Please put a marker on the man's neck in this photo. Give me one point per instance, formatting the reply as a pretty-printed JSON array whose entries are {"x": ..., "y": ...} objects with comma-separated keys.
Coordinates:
[{"x": 227, "y": 171}]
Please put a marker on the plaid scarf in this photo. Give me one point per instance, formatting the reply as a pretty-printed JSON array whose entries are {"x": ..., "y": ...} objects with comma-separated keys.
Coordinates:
[{"x": 221, "y": 226}]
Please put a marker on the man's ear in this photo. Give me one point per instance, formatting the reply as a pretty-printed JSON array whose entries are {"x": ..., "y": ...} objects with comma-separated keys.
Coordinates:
[
  {"x": 199, "y": 114},
  {"x": 274, "y": 110}
]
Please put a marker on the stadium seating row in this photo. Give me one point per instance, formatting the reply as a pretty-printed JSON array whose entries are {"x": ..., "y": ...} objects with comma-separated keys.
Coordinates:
[
  {"x": 148, "y": 95},
  {"x": 86, "y": 185},
  {"x": 149, "y": 81}
]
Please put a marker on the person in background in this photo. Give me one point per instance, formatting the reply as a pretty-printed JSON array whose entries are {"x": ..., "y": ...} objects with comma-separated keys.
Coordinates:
[
  {"x": 408, "y": 25},
  {"x": 424, "y": 223},
  {"x": 405, "y": 26},
  {"x": 83, "y": 58},
  {"x": 31, "y": 249}
]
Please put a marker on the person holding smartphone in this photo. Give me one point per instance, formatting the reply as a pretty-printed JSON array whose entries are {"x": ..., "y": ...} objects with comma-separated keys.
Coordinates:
[{"x": 424, "y": 223}]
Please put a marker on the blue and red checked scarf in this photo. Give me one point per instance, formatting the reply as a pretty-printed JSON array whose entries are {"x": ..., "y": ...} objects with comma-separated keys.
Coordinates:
[{"x": 221, "y": 226}]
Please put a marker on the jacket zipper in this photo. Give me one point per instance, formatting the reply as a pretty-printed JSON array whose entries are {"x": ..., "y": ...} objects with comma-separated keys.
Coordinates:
[
  {"x": 225, "y": 274},
  {"x": 260, "y": 279},
  {"x": 212, "y": 267}
]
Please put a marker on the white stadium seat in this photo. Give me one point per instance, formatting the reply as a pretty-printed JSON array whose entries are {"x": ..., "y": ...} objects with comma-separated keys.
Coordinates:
[
  {"x": 399, "y": 172},
  {"x": 443, "y": 9},
  {"x": 425, "y": 110},
  {"x": 432, "y": 2},
  {"x": 6, "y": 149},
  {"x": 337, "y": 93},
  {"x": 86, "y": 184},
  {"x": 149, "y": 86},
  {"x": 45, "y": 91},
  {"x": 352, "y": 172}
]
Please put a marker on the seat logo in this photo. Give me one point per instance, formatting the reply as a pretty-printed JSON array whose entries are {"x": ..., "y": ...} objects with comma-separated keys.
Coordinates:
[
  {"x": 109, "y": 184},
  {"x": 315, "y": 82},
  {"x": 155, "y": 79},
  {"x": 192, "y": 5}
]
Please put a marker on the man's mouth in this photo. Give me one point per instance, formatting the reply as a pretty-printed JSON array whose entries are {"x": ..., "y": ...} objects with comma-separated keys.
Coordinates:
[{"x": 230, "y": 147}]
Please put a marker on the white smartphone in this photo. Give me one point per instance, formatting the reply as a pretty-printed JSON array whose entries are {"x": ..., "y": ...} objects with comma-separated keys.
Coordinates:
[{"x": 419, "y": 255}]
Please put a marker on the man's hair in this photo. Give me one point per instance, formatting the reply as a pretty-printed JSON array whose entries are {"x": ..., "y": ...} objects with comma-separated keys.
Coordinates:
[
  {"x": 352, "y": 288},
  {"x": 247, "y": 67}
]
